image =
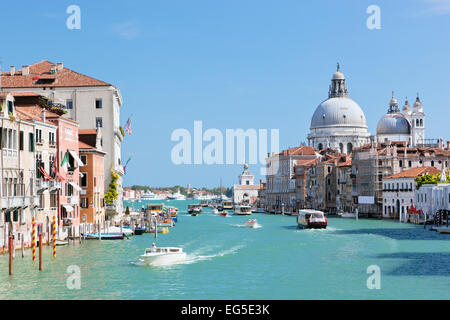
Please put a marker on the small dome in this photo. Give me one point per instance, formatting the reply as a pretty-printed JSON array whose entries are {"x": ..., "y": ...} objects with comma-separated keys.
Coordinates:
[
  {"x": 406, "y": 108},
  {"x": 245, "y": 166},
  {"x": 393, "y": 124},
  {"x": 338, "y": 76},
  {"x": 418, "y": 105}
]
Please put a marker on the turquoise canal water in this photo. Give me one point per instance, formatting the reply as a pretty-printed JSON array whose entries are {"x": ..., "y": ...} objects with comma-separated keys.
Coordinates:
[{"x": 228, "y": 261}]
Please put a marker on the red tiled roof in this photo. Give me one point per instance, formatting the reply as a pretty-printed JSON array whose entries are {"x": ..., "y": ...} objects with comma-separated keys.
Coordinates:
[
  {"x": 347, "y": 163},
  {"x": 87, "y": 131},
  {"x": 41, "y": 70},
  {"x": 414, "y": 172},
  {"x": 301, "y": 163},
  {"x": 33, "y": 113},
  {"x": 302, "y": 150},
  {"x": 82, "y": 145}
]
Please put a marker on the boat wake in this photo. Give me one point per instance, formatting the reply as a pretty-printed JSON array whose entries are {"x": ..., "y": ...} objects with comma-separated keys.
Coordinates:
[
  {"x": 257, "y": 226},
  {"x": 195, "y": 257}
]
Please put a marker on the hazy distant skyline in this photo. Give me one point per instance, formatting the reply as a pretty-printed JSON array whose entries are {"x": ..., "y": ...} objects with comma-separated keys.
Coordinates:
[{"x": 238, "y": 64}]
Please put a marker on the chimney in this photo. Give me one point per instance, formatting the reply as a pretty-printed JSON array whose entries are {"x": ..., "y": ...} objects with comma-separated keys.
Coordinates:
[
  {"x": 25, "y": 70},
  {"x": 448, "y": 144},
  {"x": 43, "y": 115},
  {"x": 53, "y": 69},
  {"x": 12, "y": 70},
  {"x": 59, "y": 66}
]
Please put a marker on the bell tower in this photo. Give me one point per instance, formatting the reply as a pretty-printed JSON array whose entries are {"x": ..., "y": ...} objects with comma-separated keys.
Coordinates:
[{"x": 417, "y": 123}]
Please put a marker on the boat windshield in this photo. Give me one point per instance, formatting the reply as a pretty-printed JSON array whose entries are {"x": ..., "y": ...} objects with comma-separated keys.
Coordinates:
[{"x": 316, "y": 215}]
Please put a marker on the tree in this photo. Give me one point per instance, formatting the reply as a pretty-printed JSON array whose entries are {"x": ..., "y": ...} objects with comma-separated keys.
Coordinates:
[{"x": 127, "y": 211}]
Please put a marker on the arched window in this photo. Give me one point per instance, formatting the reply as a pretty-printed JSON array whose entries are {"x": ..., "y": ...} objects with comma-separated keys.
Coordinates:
[
  {"x": 421, "y": 122},
  {"x": 320, "y": 146},
  {"x": 417, "y": 122},
  {"x": 341, "y": 148},
  {"x": 349, "y": 147}
]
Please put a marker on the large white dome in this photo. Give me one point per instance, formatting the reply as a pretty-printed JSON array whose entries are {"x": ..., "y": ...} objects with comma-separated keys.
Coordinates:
[
  {"x": 338, "y": 112},
  {"x": 393, "y": 124}
]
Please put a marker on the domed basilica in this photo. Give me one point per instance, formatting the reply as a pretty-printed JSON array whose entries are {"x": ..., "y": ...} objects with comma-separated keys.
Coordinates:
[{"x": 340, "y": 124}]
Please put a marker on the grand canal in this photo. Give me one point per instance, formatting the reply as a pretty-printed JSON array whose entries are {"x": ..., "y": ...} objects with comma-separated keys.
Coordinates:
[{"x": 228, "y": 261}]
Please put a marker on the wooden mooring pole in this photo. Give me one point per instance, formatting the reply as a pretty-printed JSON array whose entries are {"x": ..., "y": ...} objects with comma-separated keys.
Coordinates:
[
  {"x": 10, "y": 248},
  {"x": 40, "y": 251}
]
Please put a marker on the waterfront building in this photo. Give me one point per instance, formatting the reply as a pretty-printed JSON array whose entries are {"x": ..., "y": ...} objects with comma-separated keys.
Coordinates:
[
  {"x": 375, "y": 161},
  {"x": 67, "y": 165},
  {"x": 28, "y": 109},
  {"x": 18, "y": 199},
  {"x": 344, "y": 199},
  {"x": 399, "y": 192},
  {"x": 90, "y": 102},
  {"x": 431, "y": 198},
  {"x": 92, "y": 202},
  {"x": 280, "y": 177},
  {"x": 338, "y": 122},
  {"x": 246, "y": 191}
]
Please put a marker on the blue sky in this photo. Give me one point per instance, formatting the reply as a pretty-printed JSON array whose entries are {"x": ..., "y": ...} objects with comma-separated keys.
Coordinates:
[{"x": 237, "y": 64}]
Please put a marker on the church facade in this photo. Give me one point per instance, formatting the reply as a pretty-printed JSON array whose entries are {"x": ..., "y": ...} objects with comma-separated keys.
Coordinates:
[{"x": 246, "y": 191}]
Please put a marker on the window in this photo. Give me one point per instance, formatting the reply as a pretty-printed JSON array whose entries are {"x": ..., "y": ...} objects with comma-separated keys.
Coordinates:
[
  {"x": 51, "y": 138},
  {"x": 83, "y": 158},
  {"x": 21, "y": 140},
  {"x": 38, "y": 136},
  {"x": 98, "y": 122},
  {"x": 84, "y": 202},
  {"x": 84, "y": 182},
  {"x": 432, "y": 163},
  {"x": 10, "y": 107},
  {"x": 98, "y": 103},
  {"x": 31, "y": 142},
  {"x": 409, "y": 164},
  {"x": 69, "y": 104},
  {"x": 53, "y": 200},
  {"x": 401, "y": 164}
]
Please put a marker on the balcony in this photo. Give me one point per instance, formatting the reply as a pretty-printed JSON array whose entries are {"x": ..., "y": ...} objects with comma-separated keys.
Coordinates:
[
  {"x": 73, "y": 200},
  {"x": 52, "y": 144},
  {"x": 14, "y": 202},
  {"x": 54, "y": 185},
  {"x": 41, "y": 185}
]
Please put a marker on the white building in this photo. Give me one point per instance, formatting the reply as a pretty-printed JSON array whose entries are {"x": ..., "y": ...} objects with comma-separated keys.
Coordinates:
[
  {"x": 339, "y": 122},
  {"x": 399, "y": 192},
  {"x": 90, "y": 102},
  {"x": 408, "y": 125},
  {"x": 430, "y": 198},
  {"x": 246, "y": 191}
]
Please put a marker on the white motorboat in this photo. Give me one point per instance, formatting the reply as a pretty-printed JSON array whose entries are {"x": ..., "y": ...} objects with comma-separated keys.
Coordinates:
[
  {"x": 114, "y": 230},
  {"x": 164, "y": 255},
  {"x": 348, "y": 215},
  {"x": 176, "y": 196},
  {"x": 243, "y": 210},
  {"x": 151, "y": 196},
  {"x": 251, "y": 223},
  {"x": 215, "y": 211}
]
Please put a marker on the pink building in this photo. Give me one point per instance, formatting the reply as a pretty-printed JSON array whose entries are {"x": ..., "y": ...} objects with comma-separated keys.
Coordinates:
[{"x": 67, "y": 167}]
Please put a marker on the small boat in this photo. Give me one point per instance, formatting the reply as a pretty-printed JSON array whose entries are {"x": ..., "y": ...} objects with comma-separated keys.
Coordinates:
[
  {"x": 204, "y": 203},
  {"x": 443, "y": 230},
  {"x": 215, "y": 211},
  {"x": 106, "y": 236},
  {"x": 159, "y": 230},
  {"x": 139, "y": 231},
  {"x": 194, "y": 208},
  {"x": 163, "y": 255},
  {"x": 311, "y": 219},
  {"x": 61, "y": 242},
  {"x": 251, "y": 223},
  {"x": 223, "y": 213},
  {"x": 243, "y": 210},
  {"x": 348, "y": 215},
  {"x": 116, "y": 230}
]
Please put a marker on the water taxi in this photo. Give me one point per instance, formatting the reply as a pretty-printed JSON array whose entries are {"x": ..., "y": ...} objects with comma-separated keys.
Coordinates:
[
  {"x": 159, "y": 230},
  {"x": 311, "y": 219},
  {"x": 243, "y": 210},
  {"x": 223, "y": 214},
  {"x": 251, "y": 223},
  {"x": 163, "y": 255},
  {"x": 194, "y": 209}
]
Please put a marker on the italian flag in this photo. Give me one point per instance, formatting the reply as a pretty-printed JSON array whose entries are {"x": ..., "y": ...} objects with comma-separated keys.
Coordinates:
[{"x": 65, "y": 161}]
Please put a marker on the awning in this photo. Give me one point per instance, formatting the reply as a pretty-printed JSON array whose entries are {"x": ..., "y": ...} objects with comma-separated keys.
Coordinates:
[
  {"x": 75, "y": 156},
  {"x": 73, "y": 184},
  {"x": 68, "y": 207}
]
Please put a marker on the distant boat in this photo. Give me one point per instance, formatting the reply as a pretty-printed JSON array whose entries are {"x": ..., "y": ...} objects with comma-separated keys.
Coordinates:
[
  {"x": 215, "y": 211},
  {"x": 194, "y": 209},
  {"x": 61, "y": 242},
  {"x": 223, "y": 214},
  {"x": 251, "y": 223},
  {"x": 151, "y": 196},
  {"x": 139, "y": 231},
  {"x": 348, "y": 215},
  {"x": 176, "y": 196},
  {"x": 243, "y": 210},
  {"x": 106, "y": 236},
  {"x": 311, "y": 219}
]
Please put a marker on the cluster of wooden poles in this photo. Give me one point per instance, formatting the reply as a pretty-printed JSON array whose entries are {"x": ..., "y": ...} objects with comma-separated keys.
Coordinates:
[{"x": 33, "y": 245}]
